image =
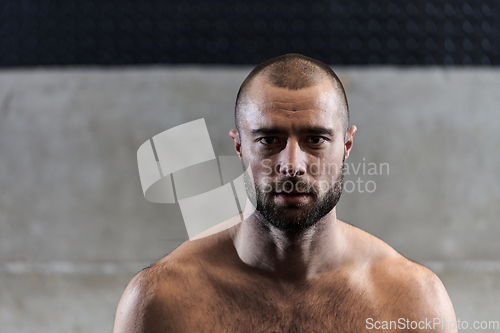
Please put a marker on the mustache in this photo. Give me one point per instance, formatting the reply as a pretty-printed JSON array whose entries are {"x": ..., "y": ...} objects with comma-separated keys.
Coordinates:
[{"x": 288, "y": 184}]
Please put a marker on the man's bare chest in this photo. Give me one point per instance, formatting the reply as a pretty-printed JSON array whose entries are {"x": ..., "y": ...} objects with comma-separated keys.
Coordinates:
[
  {"x": 238, "y": 307},
  {"x": 295, "y": 317}
]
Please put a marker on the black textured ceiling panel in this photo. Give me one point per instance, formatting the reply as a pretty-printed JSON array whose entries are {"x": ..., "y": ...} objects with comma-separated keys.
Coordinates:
[{"x": 70, "y": 32}]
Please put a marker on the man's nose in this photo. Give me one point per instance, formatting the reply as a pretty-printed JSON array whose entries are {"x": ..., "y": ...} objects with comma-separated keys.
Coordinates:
[{"x": 292, "y": 160}]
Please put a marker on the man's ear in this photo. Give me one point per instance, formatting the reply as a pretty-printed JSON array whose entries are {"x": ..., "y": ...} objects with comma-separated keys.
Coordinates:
[
  {"x": 237, "y": 143},
  {"x": 348, "y": 140}
]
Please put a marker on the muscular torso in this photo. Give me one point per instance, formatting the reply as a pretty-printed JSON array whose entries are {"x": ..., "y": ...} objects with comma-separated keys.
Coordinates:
[{"x": 203, "y": 286}]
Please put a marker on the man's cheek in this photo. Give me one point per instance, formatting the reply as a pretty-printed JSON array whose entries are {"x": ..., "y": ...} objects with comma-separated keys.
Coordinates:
[{"x": 265, "y": 185}]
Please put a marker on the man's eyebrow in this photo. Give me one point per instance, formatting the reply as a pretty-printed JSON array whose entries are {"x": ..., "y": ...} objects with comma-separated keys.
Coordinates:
[
  {"x": 317, "y": 130},
  {"x": 267, "y": 130}
]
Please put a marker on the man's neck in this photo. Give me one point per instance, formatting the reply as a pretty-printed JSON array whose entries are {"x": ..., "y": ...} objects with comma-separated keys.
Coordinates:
[{"x": 293, "y": 257}]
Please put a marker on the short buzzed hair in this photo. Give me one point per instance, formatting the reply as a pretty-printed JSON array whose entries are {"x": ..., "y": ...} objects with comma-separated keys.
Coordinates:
[{"x": 292, "y": 71}]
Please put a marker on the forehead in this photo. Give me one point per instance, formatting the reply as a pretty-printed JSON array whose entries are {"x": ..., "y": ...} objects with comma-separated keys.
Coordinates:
[{"x": 267, "y": 105}]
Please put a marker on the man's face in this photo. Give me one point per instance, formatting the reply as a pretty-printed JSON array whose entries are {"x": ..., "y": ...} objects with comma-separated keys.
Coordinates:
[{"x": 293, "y": 141}]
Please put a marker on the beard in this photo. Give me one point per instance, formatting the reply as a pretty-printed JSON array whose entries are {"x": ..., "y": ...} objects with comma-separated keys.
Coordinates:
[{"x": 295, "y": 217}]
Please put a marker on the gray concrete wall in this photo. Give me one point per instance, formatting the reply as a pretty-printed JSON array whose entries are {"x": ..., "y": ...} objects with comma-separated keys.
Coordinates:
[{"x": 75, "y": 227}]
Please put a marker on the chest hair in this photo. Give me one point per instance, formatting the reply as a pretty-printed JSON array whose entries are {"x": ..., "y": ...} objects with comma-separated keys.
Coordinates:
[{"x": 250, "y": 306}]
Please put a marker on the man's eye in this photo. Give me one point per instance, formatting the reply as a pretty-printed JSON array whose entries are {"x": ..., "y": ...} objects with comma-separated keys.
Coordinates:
[
  {"x": 268, "y": 140},
  {"x": 316, "y": 139}
]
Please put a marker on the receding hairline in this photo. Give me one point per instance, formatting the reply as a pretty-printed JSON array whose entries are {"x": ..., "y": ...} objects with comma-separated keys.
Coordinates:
[{"x": 293, "y": 71}]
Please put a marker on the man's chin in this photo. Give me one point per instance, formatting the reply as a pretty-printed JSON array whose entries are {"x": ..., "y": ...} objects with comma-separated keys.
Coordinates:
[
  {"x": 288, "y": 217},
  {"x": 291, "y": 224}
]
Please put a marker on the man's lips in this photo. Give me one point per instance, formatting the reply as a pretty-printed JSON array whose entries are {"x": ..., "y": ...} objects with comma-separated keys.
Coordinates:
[{"x": 293, "y": 197}]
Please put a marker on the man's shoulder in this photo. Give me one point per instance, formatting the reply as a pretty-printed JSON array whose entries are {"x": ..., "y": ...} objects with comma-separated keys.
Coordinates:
[
  {"x": 134, "y": 309},
  {"x": 397, "y": 276},
  {"x": 155, "y": 292},
  {"x": 410, "y": 289},
  {"x": 380, "y": 257},
  {"x": 391, "y": 268},
  {"x": 188, "y": 259},
  {"x": 414, "y": 292}
]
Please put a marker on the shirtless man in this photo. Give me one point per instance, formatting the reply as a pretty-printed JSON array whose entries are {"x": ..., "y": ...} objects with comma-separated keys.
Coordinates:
[{"x": 290, "y": 265}]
